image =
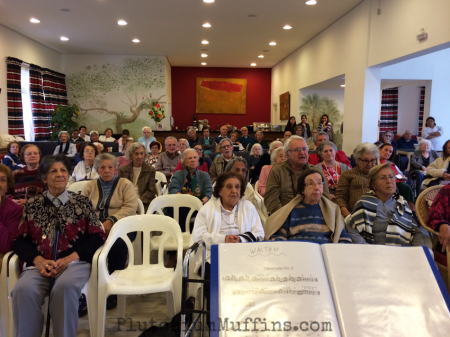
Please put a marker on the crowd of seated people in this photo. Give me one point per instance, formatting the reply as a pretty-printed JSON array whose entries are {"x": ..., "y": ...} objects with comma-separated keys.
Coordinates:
[{"x": 365, "y": 204}]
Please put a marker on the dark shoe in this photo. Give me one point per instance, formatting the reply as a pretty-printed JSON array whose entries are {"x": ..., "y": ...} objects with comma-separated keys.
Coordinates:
[
  {"x": 111, "y": 302},
  {"x": 82, "y": 306}
]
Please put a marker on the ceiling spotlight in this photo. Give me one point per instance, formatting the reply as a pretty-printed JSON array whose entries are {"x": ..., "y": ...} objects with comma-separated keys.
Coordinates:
[
  {"x": 273, "y": 43},
  {"x": 205, "y": 42},
  {"x": 253, "y": 64},
  {"x": 261, "y": 56},
  {"x": 34, "y": 20},
  {"x": 136, "y": 40},
  {"x": 63, "y": 38},
  {"x": 206, "y": 25},
  {"x": 203, "y": 63},
  {"x": 343, "y": 85},
  {"x": 208, "y": 1},
  {"x": 122, "y": 22},
  {"x": 311, "y": 2},
  {"x": 204, "y": 55},
  {"x": 287, "y": 27}
]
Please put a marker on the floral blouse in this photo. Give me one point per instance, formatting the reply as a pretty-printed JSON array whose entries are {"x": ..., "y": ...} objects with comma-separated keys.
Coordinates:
[
  {"x": 151, "y": 160},
  {"x": 332, "y": 175}
]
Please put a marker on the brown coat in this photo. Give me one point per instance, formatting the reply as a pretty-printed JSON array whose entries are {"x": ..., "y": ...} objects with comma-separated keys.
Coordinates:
[
  {"x": 351, "y": 186},
  {"x": 146, "y": 181}
]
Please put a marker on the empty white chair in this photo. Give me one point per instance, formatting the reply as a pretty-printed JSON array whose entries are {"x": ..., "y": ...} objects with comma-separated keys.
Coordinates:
[
  {"x": 140, "y": 279},
  {"x": 176, "y": 201},
  {"x": 160, "y": 178},
  {"x": 78, "y": 186}
]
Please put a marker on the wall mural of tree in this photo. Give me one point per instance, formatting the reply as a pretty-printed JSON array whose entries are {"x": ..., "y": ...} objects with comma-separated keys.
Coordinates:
[{"x": 135, "y": 78}]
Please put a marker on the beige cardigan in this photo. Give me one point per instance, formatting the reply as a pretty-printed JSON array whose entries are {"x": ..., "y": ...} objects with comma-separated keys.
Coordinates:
[
  {"x": 330, "y": 211},
  {"x": 123, "y": 202}
]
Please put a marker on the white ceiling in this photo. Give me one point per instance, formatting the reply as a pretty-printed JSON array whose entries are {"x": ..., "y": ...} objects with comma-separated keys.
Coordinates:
[{"x": 174, "y": 27}]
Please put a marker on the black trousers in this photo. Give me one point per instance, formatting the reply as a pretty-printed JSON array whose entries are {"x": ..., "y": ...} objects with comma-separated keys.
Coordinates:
[{"x": 117, "y": 257}]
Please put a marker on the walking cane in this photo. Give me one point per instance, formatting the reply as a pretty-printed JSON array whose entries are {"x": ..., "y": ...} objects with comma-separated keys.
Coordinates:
[{"x": 52, "y": 279}]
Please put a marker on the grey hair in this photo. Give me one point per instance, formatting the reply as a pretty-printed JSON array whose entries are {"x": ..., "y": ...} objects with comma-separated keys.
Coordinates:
[
  {"x": 48, "y": 161},
  {"x": 424, "y": 141},
  {"x": 323, "y": 144},
  {"x": 105, "y": 156},
  {"x": 146, "y": 127},
  {"x": 408, "y": 130},
  {"x": 253, "y": 147},
  {"x": 274, "y": 154},
  {"x": 242, "y": 160},
  {"x": 289, "y": 140},
  {"x": 101, "y": 145},
  {"x": 184, "y": 155},
  {"x": 373, "y": 173},
  {"x": 273, "y": 144},
  {"x": 225, "y": 140},
  {"x": 183, "y": 140},
  {"x": 133, "y": 147},
  {"x": 190, "y": 130},
  {"x": 320, "y": 133},
  {"x": 93, "y": 131},
  {"x": 170, "y": 137},
  {"x": 366, "y": 147},
  {"x": 62, "y": 132},
  {"x": 386, "y": 132},
  {"x": 262, "y": 134}
]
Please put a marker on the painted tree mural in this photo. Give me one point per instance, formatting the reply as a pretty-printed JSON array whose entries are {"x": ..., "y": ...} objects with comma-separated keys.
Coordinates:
[
  {"x": 135, "y": 78},
  {"x": 311, "y": 107}
]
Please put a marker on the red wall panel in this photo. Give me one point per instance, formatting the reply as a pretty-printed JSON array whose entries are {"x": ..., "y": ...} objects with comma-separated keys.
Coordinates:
[{"x": 183, "y": 95}]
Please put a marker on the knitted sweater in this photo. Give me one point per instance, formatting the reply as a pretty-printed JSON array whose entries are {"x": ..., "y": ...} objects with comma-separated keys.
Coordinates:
[
  {"x": 352, "y": 185},
  {"x": 165, "y": 164},
  {"x": 440, "y": 209},
  {"x": 10, "y": 216}
]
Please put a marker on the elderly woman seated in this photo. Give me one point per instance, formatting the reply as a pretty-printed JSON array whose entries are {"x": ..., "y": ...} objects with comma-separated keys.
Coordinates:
[
  {"x": 114, "y": 198},
  {"x": 293, "y": 221},
  {"x": 330, "y": 167},
  {"x": 439, "y": 217},
  {"x": 65, "y": 147},
  {"x": 420, "y": 160},
  {"x": 265, "y": 160},
  {"x": 277, "y": 156},
  {"x": 202, "y": 164},
  {"x": 81, "y": 234},
  {"x": 299, "y": 131},
  {"x": 388, "y": 138},
  {"x": 439, "y": 170},
  {"x": 381, "y": 216},
  {"x": 141, "y": 175},
  {"x": 85, "y": 168},
  {"x": 240, "y": 166},
  {"x": 12, "y": 158},
  {"x": 226, "y": 218},
  {"x": 153, "y": 156},
  {"x": 10, "y": 213},
  {"x": 353, "y": 183}
]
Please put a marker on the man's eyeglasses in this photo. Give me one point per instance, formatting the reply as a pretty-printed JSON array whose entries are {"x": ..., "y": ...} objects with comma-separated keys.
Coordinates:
[
  {"x": 314, "y": 183},
  {"x": 366, "y": 161},
  {"x": 303, "y": 149}
]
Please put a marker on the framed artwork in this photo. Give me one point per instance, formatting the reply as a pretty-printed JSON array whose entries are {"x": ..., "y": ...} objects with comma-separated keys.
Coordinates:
[
  {"x": 221, "y": 96},
  {"x": 285, "y": 105}
]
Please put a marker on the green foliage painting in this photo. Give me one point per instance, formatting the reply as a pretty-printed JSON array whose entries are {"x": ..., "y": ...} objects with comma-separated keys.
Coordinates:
[{"x": 131, "y": 80}]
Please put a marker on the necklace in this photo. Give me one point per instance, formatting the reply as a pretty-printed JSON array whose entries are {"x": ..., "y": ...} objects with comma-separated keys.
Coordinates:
[
  {"x": 235, "y": 218},
  {"x": 331, "y": 176}
]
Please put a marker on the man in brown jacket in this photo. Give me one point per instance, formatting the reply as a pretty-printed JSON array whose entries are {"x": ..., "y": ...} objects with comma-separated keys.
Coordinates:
[
  {"x": 281, "y": 185},
  {"x": 219, "y": 163}
]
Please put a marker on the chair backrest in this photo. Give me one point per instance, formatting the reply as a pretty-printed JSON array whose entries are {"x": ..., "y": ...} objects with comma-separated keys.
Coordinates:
[
  {"x": 422, "y": 207},
  {"x": 176, "y": 201},
  {"x": 159, "y": 179},
  {"x": 260, "y": 201},
  {"x": 78, "y": 186},
  {"x": 160, "y": 146},
  {"x": 140, "y": 210}
]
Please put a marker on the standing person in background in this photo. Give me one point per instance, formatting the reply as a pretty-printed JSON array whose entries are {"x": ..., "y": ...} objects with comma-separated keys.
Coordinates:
[
  {"x": 325, "y": 125},
  {"x": 237, "y": 146},
  {"x": 108, "y": 136},
  {"x": 193, "y": 139},
  {"x": 75, "y": 137},
  {"x": 434, "y": 134},
  {"x": 208, "y": 143},
  {"x": 12, "y": 158},
  {"x": 167, "y": 161},
  {"x": 146, "y": 139},
  {"x": 123, "y": 140},
  {"x": 83, "y": 135},
  {"x": 245, "y": 139},
  {"x": 306, "y": 128},
  {"x": 406, "y": 141},
  {"x": 259, "y": 140},
  {"x": 291, "y": 124},
  {"x": 223, "y": 134}
]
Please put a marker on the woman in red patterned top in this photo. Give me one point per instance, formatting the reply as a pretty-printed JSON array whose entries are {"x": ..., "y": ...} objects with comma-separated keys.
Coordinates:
[
  {"x": 330, "y": 167},
  {"x": 439, "y": 216}
]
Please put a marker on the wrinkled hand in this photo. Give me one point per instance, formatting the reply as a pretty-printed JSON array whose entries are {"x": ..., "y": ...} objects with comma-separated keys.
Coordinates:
[
  {"x": 232, "y": 239},
  {"x": 107, "y": 225},
  {"x": 42, "y": 265},
  {"x": 17, "y": 172},
  {"x": 56, "y": 266},
  {"x": 332, "y": 197},
  {"x": 446, "y": 176},
  {"x": 444, "y": 236},
  {"x": 424, "y": 169},
  {"x": 345, "y": 212},
  {"x": 205, "y": 200}
]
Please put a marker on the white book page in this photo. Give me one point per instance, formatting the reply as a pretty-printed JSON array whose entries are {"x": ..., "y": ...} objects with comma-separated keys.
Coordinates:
[
  {"x": 278, "y": 288},
  {"x": 385, "y": 291}
]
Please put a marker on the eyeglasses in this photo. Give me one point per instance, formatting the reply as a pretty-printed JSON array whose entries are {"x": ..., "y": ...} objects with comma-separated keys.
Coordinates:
[
  {"x": 365, "y": 161},
  {"x": 303, "y": 149},
  {"x": 385, "y": 178},
  {"x": 199, "y": 150},
  {"x": 314, "y": 183}
]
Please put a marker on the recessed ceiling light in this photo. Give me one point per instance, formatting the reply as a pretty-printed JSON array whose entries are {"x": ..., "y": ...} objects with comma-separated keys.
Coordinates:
[
  {"x": 122, "y": 22},
  {"x": 136, "y": 40},
  {"x": 311, "y": 2},
  {"x": 204, "y": 55},
  {"x": 205, "y": 42},
  {"x": 206, "y": 25},
  {"x": 253, "y": 64},
  {"x": 65, "y": 10},
  {"x": 63, "y": 38},
  {"x": 261, "y": 56},
  {"x": 273, "y": 43},
  {"x": 34, "y": 20},
  {"x": 203, "y": 63},
  {"x": 287, "y": 27},
  {"x": 343, "y": 85},
  {"x": 208, "y": 1}
]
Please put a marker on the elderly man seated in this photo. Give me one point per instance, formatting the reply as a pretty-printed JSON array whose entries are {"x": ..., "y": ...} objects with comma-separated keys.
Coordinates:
[
  {"x": 245, "y": 139},
  {"x": 167, "y": 161},
  {"x": 281, "y": 186},
  {"x": 223, "y": 134},
  {"x": 220, "y": 162},
  {"x": 314, "y": 158},
  {"x": 147, "y": 139},
  {"x": 406, "y": 142}
]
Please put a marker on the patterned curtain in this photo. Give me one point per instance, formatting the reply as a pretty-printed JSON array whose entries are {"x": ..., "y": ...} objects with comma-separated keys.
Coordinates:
[
  {"x": 389, "y": 110},
  {"x": 54, "y": 90},
  {"x": 422, "y": 100},
  {"x": 14, "y": 96},
  {"x": 41, "y": 118}
]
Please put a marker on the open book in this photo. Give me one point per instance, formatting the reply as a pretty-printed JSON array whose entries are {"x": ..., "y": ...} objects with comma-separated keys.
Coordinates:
[{"x": 304, "y": 289}]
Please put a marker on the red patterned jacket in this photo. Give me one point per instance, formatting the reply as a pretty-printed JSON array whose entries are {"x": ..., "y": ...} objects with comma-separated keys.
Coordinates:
[{"x": 440, "y": 209}]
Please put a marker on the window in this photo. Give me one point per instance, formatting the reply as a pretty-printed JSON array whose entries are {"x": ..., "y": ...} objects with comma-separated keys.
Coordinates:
[{"x": 28, "y": 124}]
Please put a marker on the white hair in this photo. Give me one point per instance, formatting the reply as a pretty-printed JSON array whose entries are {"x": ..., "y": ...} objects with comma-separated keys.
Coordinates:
[
  {"x": 320, "y": 133},
  {"x": 289, "y": 140},
  {"x": 183, "y": 140},
  {"x": 99, "y": 144},
  {"x": 146, "y": 127},
  {"x": 133, "y": 147},
  {"x": 424, "y": 141},
  {"x": 105, "y": 156},
  {"x": 366, "y": 147},
  {"x": 273, "y": 144},
  {"x": 407, "y": 130},
  {"x": 190, "y": 130},
  {"x": 185, "y": 153},
  {"x": 93, "y": 131},
  {"x": 274, "y": 154},
  {"x": 170, "y": 137},
  {"x": 254, "y": 147}
]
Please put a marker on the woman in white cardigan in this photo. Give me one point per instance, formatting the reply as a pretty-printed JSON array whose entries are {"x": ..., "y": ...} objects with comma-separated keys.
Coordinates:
[
  {"x": 439, "y": 170},
  {"x": 226, "y": 218},
  {"x": 85, "y": 169}
]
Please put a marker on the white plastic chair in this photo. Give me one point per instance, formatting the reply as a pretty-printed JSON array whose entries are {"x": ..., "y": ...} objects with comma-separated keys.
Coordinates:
[
  {"x": 78, "y": 186},
  {"x": 5, "y": 296},
  {"x": 137, "y": 243},
  {"x": 160, "y": 178},
  {"x": 176, "y": 201},
  {"x": 140, "y": 279}
]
